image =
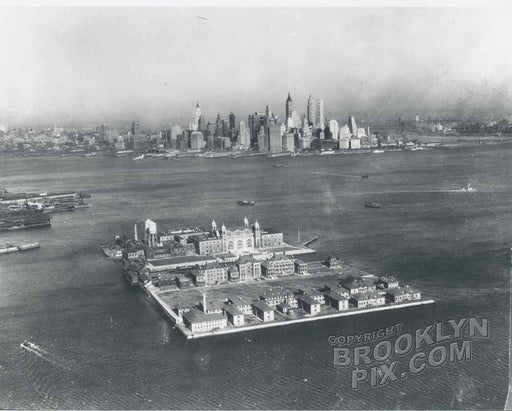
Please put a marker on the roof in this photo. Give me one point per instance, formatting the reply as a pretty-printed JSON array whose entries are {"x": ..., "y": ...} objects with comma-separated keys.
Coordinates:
[
  {"x": 262, "y": 305},
  {"x": 388, "y": 279},
  {"x": 307, "y": 299},
  {"x": 244, "y": 259},
  {"x": 366, "y": 296},
  {"x": 336, "y": 296},
  {"x": 285, "y": 305},
  {"x": 401, "y": 291},
  {"x": 196, "y": 316},
  {"x": 232, "y": 309},
  {"x": 182, "y": 259}
]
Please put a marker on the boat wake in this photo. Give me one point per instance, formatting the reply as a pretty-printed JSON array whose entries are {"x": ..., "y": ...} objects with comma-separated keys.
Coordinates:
[{"x": 43, "y": 354}]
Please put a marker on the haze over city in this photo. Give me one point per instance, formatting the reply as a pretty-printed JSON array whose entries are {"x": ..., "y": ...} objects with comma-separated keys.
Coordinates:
[{"x": 86, "y": 66}]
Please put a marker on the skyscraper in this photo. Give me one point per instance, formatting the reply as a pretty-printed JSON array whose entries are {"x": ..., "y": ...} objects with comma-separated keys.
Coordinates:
[
  {"x": 256, "y": 122},
  {"x": 289, "y": 107},
  {"x": 319, "y": 117},
  {"x": 334, "y": 129},
  {"x": 232, "y": 121},
  {"x": 311, "y": 111},
  {"x": 275, "y": 138},
  {"x": 197, "y": 118},
  {"x": 352, "y": 125},
  {"x": 268, "y": 112},
  {"x": 135, "y": 128}
]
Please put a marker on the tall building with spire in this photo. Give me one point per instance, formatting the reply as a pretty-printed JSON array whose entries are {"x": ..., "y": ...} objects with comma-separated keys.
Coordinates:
[
  {"x": 232, "y": 125},
  {"x": 289, "y": 107},
  {"x": 311, "y": 110}
]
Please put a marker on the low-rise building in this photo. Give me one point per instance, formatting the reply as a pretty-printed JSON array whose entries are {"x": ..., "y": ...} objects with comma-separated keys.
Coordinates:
[
  {"x": 337, "y": 301},
  {"x": 403, "y": 294},
  {"x": 197, "y": 321},
  {"x": 263, "y": 311},
  {"x": 367, "y": 299},
  {"x": 275, "y": 297},
  {"x": 242, "y": 306},
  {"x": 387, "y": 282},
  {"x": 308, "y": 304},
  {"x": 277, "y": 265},
  {"x": 358, "y": 286},
  {"x": 314, "y": 294},
  {"x": 286, "y": 308},
  {"x": 301, "y": 267},
  {"x": 234, "y": 315},
  {"x": 248, "y": 268},
  {"x": 182, "y": 281}
]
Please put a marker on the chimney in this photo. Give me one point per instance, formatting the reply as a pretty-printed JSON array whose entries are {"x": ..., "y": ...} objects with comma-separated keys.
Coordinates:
[
  {"x": 204, "y": 303},
  {"x": 135, "y": 232}
]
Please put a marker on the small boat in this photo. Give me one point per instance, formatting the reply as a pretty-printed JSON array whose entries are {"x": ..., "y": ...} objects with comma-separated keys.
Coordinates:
[
  {"x": 377, "y": 151},
  {"x": 365, "y": 175},
  {"x": 372, "y": 205},
  {"x": 278, "y": 165},
  {"x": 139, "y": 157},
  {"x": 467, "y": 189},
  {"x": 246, "y": 202}
]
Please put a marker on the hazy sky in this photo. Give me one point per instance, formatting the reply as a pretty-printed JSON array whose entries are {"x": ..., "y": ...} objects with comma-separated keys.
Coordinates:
[{"x": 89, "y": 65}]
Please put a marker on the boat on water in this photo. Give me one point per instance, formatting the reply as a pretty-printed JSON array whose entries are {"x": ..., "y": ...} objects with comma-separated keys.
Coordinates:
[
  {"x": 246, "y": 202},
  {"x": 365, "y": 175},
  {"x": 373, "y": 205},
  {"x": 29, "y": 246},
  {"x": 113, "y": 251},
  {"x": 28, "y": 217},
  {"x": 138, "y": 157},
  {"x": 377, "y": 151},
  {"x": 278, "y": 165},
  {"x": 467, "y": 189},
  {"x": 8, "y": 248}
]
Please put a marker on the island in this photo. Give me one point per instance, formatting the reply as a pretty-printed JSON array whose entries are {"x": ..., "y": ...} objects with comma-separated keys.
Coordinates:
[{"x": 217, "y": 281}]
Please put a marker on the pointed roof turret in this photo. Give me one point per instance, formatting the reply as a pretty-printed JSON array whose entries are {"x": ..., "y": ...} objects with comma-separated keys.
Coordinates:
[{"x": 246, "y": 222}]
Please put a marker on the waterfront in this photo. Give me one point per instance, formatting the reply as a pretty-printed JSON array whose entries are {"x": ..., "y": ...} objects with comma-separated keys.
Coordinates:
[{"x": 108, "y": 346}]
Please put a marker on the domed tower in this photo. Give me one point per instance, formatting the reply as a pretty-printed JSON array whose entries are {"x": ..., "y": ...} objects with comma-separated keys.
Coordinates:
[
  {"x": 214, "y": 225},
  {"x": 223, "y": 229},
  {"x": 246, "y": 222}
]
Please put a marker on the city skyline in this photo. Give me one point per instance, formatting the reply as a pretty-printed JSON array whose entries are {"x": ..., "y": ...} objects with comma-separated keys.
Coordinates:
[{"x": 76, "y": 66}]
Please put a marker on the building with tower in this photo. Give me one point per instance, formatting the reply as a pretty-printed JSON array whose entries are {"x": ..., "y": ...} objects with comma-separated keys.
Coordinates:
[
  {"x": 243, "y": 240},
  {"x": 289, "y": 107}
]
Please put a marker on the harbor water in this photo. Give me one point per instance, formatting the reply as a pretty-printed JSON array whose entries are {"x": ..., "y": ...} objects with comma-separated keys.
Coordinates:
[{"x": 101, "y": 344}]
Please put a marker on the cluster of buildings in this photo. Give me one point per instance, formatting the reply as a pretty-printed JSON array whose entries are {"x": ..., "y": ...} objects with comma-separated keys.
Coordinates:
[
  {"x": 280, "y": 303},
  {"x": 197, "y": 258}
]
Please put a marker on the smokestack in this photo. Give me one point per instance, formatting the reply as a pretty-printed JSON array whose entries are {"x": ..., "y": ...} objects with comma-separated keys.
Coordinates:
[
  {"x": 135, "y": 232},
  {"x": 204, "y": 303}
]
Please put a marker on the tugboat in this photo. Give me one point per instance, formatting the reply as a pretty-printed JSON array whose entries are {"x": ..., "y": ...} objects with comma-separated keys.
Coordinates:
[
  {"x": 467, "y": 189},
  {"x": 372, "y": 205},
  {"x": 246, "y": 202}
]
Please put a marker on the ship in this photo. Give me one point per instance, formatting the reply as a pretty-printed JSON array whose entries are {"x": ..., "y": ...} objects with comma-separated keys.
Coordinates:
[
  {"x": 27, "y": 217},
  {"x": 373, "y": 205},
  {"x": 29, "y": 246},
  {"x": 246, "y": 202},
  {"x": 8, "y": 248}
]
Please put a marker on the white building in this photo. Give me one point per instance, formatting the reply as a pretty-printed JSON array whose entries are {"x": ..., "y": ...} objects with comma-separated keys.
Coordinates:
[{"x": 334, "y": 129}]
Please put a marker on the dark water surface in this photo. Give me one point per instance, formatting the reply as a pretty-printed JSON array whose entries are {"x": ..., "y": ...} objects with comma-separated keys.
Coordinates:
[{"x": 104, "y": 345}]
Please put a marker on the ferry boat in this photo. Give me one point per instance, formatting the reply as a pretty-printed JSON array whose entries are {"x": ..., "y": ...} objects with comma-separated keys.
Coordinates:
[
  {"x": 246, "y": 202},
  {"x": 29, "y": 246},
  {"x": 8, "y": 248},
  {"x": 373, "y": 205}
]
